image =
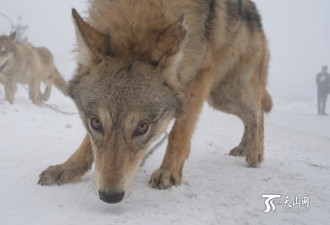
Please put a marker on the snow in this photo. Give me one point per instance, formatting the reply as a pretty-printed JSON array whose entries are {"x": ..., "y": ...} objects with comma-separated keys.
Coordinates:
[{"x": 217, "y": 188}]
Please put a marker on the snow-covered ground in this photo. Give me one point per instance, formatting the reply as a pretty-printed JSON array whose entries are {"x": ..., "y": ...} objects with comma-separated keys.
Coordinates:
[{"x": 216, "y": 189}]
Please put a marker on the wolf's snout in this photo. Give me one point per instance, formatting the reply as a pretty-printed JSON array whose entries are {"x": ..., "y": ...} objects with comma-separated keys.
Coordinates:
[{"x": 109, "y": 196}]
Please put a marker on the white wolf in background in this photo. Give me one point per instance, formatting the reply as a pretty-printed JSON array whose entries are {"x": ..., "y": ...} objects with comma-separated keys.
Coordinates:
[{"x": 23, "y": 63}]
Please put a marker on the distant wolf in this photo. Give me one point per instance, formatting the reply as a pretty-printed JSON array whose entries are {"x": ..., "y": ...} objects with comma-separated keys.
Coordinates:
[
  {"x": 23, "y": 63},
  {"x": 142, "y": 64}
]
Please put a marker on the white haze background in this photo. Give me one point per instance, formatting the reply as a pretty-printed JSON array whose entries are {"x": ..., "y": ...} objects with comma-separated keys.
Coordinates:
[{"x": 217, "y": 188}]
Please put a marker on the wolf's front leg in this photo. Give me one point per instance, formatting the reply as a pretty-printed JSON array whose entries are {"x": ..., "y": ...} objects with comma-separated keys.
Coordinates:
[
  {"x": 10, "y": 90},
  {"x": 73, "y": 169},
  {"x": 178, "y": 148}
]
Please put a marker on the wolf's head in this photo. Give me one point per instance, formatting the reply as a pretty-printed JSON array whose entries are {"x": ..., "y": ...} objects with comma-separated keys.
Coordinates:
[
  {"x": 7, "y": 49},
  {"x": 125, "y": 100}
]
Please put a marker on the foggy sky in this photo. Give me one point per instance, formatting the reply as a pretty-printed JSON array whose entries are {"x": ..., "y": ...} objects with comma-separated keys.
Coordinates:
[
  {"x": 299, "y": 37},
  {"x": 298, "y": 32}
]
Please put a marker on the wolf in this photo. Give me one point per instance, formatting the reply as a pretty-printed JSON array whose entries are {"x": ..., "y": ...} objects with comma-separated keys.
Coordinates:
[
  {"x": 23, "y": 63},
  {"x": 142, "y": 64}
]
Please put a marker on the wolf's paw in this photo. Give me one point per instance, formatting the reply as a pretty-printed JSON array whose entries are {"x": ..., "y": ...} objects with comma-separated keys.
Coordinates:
[
  {"x": 163, "y": 179},
  {"x": 254, "y": 158},
  {"x": 238, "y": 151},
  {"x": 58, "y": 174}
]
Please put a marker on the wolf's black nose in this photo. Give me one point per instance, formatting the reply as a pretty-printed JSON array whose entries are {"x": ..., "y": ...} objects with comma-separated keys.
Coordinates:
[{"x": 109, "y": 196}]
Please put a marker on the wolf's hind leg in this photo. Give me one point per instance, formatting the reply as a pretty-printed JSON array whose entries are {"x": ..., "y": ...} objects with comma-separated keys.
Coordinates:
[
  {"x": 245, "y": 102},
  {"x": 251, "y": 145},
  {"x": 34, "y": 92},
  {"x": 71, "y": 170},
  {"x": 45, "y": 96}
]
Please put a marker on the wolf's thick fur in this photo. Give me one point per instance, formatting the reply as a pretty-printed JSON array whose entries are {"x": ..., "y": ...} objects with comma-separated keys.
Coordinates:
[
  {"x": 23, "y": 63},
  {"x": 143, "y": 63}
]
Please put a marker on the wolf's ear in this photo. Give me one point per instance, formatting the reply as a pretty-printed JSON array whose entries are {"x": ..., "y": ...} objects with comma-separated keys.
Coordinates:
[
  {"x": 92, "y": 45},
  {"x": 170, "y": 42},
  {"x": 12, "y": 36}
]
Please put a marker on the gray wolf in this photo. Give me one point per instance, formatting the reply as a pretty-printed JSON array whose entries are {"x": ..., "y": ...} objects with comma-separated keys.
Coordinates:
[
  {"x": 23, "y": 63},
  {"x": 142, "y": 64}
]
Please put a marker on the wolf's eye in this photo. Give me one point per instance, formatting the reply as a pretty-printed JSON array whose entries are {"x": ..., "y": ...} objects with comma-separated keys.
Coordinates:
[
  {"x": 96, "y": 125},
  {"x": 141, "y": 129}
]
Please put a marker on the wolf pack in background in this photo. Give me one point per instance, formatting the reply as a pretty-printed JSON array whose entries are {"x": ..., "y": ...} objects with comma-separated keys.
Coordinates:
[
  {"x": 23, "y": 63},
  {"x": 141, "y": 64}
]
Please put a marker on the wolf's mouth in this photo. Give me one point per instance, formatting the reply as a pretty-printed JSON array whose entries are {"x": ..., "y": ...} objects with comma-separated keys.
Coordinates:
[{"x": 2, "y": 65}]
